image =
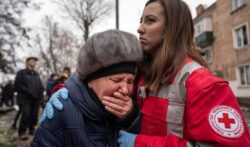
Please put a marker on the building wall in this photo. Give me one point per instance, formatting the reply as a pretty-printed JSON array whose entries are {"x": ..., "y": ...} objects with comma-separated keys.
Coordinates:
[{"x": 226, "y": 57}]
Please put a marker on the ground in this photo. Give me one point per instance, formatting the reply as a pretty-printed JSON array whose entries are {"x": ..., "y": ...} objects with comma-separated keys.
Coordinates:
[{"x": 8, "y": 136}]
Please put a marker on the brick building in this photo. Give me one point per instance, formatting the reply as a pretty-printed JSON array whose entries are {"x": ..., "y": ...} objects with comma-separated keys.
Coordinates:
[{"x": 222, "y": 33}]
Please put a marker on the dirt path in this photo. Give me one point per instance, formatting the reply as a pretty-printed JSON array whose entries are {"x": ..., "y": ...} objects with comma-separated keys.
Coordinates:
[{"x": 8, "y": 136}]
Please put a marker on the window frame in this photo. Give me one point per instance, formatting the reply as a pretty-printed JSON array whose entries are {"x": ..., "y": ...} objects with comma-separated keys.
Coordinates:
[
  {"x": 240, "y": 3},
  {"x": 235, "y": 36},
  {"x": 246, "y": 75},
  {"x": 208, "y": 58}
]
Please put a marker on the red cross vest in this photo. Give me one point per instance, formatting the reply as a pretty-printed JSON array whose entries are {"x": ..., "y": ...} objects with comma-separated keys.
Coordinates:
[{"x": 163, "y": 111}]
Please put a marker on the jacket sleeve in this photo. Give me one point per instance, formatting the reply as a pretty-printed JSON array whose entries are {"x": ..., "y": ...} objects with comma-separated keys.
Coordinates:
[
  {"x": 41, "y": 88},
  {"x": 205, "y": 96}
]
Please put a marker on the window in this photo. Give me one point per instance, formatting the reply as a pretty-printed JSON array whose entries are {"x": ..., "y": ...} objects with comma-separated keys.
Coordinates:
[
  {"x": 237, "y": 4},
  {"x": 244, "y": 75},
  {"x": 241, "y": 36},
  {"x": 207, "y": 54}
]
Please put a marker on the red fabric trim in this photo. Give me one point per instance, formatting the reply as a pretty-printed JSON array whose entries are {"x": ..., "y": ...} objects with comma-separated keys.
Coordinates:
[{"x": 56, "y": 88}]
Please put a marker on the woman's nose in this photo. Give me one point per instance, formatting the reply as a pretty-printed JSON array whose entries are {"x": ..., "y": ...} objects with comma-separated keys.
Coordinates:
[
  {"x": 124, "y": 89},
  {"x": 140, "y": 29}
]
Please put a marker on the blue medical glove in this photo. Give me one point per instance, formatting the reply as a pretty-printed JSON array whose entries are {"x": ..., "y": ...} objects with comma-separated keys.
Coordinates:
[
  {"x": 126, "y": 139},
  {"x": 54, "y": 101}
]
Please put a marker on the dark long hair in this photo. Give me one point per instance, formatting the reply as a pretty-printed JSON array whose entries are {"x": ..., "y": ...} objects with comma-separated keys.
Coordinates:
[{"x": 178, "y": 44}]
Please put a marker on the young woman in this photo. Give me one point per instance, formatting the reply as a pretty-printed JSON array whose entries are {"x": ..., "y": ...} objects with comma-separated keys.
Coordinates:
[
  {"x": 182, "y": 103},
  {"x": 105, "y": 68}
]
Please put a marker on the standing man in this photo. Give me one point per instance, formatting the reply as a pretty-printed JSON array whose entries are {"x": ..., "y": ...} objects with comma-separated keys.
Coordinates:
[{"x": 30, "y": 92}]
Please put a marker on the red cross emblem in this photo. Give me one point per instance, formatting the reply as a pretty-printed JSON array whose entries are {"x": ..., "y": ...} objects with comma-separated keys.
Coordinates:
[{"x": 226, "y": 120}]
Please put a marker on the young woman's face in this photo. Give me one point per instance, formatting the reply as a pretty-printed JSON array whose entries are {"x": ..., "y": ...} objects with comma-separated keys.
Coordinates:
[
  {"x": 152, "y": 26},
  {"x": 106, "y": 86}
]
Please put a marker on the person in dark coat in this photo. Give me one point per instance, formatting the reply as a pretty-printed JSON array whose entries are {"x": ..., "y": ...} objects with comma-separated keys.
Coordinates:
[
  {"x": 59, "y": 80},
  {"x": 29, "y": 94},
  {"x": 106, "y": 67},
  {"x": 8, "y": 94},
  {"x": 50, "y": 83},
  {"x": 63, "y": 76},
  {"x": 6, "y": 98},
  {"x": 49, "y": 87}
]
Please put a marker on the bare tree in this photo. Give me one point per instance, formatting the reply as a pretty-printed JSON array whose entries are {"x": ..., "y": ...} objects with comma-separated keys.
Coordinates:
[
  {"x": 85, "y": 12},
  {"x": 12, "y": 32},
  {"x": 58, "y": 48}
]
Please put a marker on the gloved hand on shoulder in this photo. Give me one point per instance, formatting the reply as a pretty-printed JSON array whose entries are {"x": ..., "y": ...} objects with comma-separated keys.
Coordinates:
[{"x": 54, "y": 101}]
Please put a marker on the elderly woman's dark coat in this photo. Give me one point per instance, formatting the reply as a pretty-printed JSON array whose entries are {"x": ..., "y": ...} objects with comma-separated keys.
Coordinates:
[{"x": 83, "y": 122}]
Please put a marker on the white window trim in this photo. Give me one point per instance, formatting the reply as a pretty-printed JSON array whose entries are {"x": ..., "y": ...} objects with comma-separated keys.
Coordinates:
[
  {"x": 200, "y": 23},
  {"x": 238, "y": 74},
  {"x": 234, "y": 6},
  {"x": 235, "y": 36}
]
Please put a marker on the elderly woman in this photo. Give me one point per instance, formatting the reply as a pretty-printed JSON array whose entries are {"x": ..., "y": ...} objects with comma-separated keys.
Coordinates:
[{"x": 106, "y": 67}]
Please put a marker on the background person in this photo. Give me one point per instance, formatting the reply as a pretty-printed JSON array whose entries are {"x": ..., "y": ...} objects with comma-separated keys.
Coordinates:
[
  {"x": 50, "y": 83},
  {"x": 29, "y": 94},
  {"x": 63, "y": 76},
  {"x": 60, "y": 80},
  {"x": 8, "y": 94}
]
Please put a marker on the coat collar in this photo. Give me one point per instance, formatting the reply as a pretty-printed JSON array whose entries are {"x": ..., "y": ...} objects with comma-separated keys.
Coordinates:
[{"x": 85, "y": 100}]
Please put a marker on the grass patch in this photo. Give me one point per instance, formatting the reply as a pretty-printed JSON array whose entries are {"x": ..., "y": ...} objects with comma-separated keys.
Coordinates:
[{"x": 7, "y": 145}]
